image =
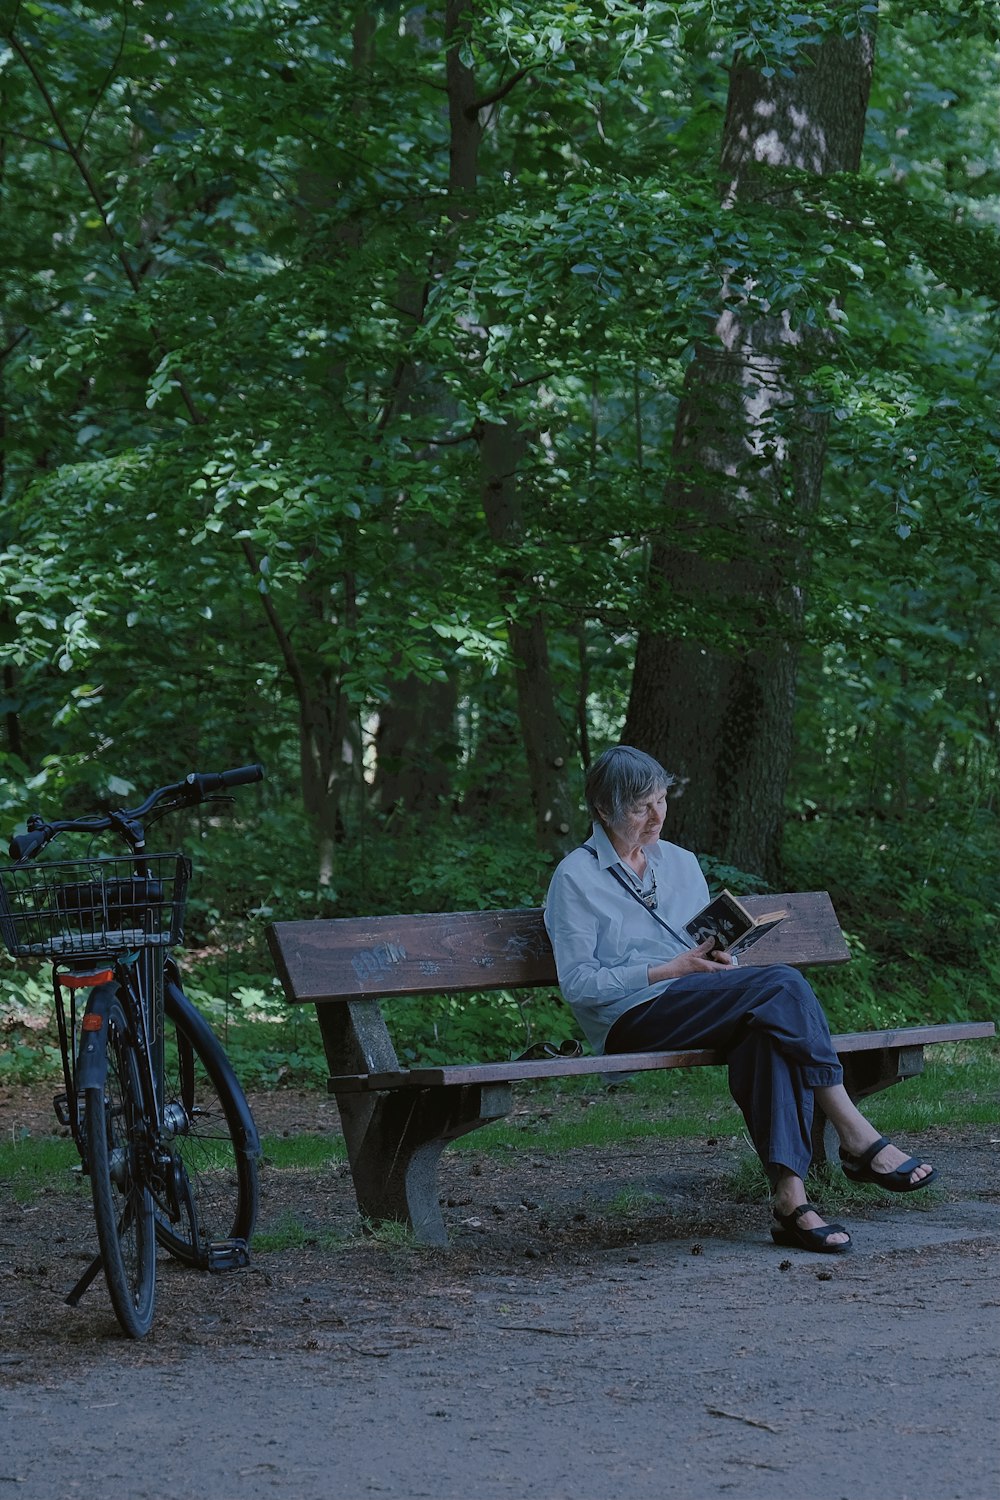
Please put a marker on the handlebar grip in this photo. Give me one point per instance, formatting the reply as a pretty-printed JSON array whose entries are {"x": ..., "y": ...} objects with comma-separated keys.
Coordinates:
[
  {"x": 24, "y": 845},
  {"x": 242, "y": 775},
  {"x": 205, "y": 782}
]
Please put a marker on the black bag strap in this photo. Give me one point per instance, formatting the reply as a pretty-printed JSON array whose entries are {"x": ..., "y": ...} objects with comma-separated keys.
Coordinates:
[{"x": 617, "y": 874}]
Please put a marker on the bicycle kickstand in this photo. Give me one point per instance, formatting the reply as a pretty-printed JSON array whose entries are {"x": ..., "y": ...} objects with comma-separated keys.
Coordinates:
[
  {"x": 89, "y": 1275},
  {"x": 96, "y": 1265}
]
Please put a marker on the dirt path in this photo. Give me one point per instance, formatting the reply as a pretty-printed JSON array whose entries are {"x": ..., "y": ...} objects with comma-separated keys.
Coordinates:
[{"x": 596, "y": 1330}]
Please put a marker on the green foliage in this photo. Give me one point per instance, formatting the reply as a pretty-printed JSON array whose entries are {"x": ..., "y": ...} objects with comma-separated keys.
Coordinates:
[
  {"x": 252, "y": 338},
  {"x": 721, "y": 876},
  {"x": 916, "y": 900},
  {"x": 29, "y": 1046}
]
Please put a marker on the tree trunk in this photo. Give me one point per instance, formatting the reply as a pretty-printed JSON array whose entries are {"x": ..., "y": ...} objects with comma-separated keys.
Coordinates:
[
  {"x": 417, "y": 746},
  {"x": 748, "y": 464},
  {"x": 501, "y": 447},
  {"x": 546, "y": 743}
]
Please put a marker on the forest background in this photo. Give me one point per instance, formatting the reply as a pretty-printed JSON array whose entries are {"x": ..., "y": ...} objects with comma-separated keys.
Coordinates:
[{"x": 418, "y": 398}]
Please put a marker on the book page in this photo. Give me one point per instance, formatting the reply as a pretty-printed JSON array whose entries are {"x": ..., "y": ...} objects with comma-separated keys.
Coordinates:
[
  {"x": 723, "y": 918},
  {"x": 764, "y": 926}
]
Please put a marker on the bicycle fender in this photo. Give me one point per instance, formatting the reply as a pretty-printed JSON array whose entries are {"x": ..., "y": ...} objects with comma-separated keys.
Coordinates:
[
  {"x": 177, "y": 1003},
  {"x": 92, "y": 1060}
]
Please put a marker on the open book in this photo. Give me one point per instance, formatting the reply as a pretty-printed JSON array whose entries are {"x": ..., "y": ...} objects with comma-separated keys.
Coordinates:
[{"x": 732, "y": 926}]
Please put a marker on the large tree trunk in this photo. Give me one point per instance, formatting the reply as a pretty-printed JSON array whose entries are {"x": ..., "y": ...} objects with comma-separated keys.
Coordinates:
[
  {"x": 715, "y": 701},
  {"x": 417, "y": 746}
]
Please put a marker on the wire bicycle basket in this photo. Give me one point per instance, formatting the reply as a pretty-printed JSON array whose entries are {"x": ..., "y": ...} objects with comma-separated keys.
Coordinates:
[{"x": 97, "y": 905}]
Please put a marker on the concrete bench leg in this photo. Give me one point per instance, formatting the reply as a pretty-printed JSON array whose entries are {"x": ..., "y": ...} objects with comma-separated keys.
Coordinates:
[{"x": 394, "y": 1141}]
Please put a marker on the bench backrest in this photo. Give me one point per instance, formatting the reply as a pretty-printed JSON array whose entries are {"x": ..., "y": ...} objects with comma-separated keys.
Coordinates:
[{"x": 353, "y": 958}]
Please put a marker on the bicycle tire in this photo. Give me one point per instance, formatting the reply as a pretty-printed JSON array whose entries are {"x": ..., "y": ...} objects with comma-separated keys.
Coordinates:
[
  {"x": 216, "y": 1145},
  {"x": 115, "y": 1133}
]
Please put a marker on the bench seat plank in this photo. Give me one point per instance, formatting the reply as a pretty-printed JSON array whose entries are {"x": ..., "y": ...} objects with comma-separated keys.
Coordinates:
[
  {"x": 524, "y": 1072},
  {"x": 913, "y": 1036},
  {"x": 638, "y": 1062}
]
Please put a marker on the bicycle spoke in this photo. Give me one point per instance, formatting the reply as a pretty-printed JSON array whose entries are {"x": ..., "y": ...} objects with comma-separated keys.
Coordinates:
[{"x": 215, "y": 1144}]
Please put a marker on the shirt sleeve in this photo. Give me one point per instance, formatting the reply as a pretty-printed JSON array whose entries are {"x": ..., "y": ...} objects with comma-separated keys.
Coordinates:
[{"x": 572, "y": 922}]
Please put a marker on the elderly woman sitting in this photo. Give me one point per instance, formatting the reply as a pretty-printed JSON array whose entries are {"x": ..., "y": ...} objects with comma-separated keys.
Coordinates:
[{"x": 613, "y": 912}]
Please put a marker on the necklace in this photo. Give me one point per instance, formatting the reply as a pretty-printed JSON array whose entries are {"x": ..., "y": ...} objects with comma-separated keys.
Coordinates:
[{"x": 648, "y": 898}]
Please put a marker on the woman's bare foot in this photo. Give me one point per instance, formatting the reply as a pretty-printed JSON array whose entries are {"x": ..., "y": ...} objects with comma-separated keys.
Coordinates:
[
  {"x": 890, "y": 1158},
  {"x": 788, "y": 1195},
  {"x": 857, "y": 1135},
  {"x": 887, "y": 1166}
]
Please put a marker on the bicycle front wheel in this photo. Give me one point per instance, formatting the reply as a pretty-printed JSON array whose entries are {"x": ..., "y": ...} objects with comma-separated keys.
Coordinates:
[
  {"x": 117, "y": 1146},
  {"x": 214, "y": 1143}
]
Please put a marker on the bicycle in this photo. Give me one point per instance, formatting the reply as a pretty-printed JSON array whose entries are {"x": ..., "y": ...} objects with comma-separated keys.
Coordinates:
[{"x": 162, "y": 1126}]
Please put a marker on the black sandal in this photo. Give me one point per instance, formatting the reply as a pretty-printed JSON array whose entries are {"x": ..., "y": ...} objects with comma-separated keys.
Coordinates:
[
  {"x": 788, "y": 1231},
  {"x": 860, "y": 1169}
]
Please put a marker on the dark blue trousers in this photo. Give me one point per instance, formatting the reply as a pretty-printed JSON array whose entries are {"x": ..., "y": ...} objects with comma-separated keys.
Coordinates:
[{"x": 776, "y": 1039}]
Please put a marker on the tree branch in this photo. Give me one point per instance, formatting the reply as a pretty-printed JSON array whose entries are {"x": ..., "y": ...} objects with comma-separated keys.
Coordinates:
[
  {"x": 501, "y": 91},
  {"x": 282, "y": 637},
  {"x": 77, "y": 158},
  {"x": 444, "y": 442},
  {"x": 104, "y": 86},
  {"x": 80, "y": 162},
  {"x": 18, "y": 338},
  {"x": 34, "y": 140}
]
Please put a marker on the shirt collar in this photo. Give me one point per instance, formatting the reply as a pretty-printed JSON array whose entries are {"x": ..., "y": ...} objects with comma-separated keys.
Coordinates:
[{"x": 607, "y": 854}]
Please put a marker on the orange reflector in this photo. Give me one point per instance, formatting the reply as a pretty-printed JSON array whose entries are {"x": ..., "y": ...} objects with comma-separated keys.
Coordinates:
[
  {"x": 84, "y": 981},
  {"x": 92, "y": 1022}
]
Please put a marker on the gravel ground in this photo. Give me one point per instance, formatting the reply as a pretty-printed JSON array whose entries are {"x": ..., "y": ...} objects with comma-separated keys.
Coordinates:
[{"x": 606, "y": 1325}]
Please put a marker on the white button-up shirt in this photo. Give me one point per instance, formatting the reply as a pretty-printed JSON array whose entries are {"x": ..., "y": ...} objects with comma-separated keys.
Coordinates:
[{"x": 604, "y": 939}]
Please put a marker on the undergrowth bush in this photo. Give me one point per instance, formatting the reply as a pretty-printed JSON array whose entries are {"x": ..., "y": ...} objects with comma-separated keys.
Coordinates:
[{"x": 916, "y": 900}]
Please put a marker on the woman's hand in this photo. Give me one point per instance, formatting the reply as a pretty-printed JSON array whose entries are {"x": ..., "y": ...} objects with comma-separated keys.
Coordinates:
[{"x": 694, "y": 961}]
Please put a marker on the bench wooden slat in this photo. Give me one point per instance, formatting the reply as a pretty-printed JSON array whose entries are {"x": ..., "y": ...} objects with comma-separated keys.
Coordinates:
[
  {"x": 523, "y": 1072},
  {"x": 913, "y": 1036},
  {"x": 349, "y": 958},
  {"x": 638, "y": 1062}
]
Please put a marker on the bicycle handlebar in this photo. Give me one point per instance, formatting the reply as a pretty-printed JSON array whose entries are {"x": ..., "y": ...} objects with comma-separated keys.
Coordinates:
[{"x": 195, "y": 788}]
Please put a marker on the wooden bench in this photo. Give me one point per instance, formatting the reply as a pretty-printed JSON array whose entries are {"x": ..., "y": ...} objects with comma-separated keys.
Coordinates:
[{"x": 397, "y": 1120}]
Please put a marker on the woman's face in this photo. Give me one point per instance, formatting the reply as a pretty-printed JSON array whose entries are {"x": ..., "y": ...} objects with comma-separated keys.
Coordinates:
[{"x": 641, "y": 823}]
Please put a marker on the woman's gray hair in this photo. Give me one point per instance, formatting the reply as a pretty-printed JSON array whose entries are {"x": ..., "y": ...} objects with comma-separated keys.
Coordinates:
[{"x": 618, "y": 779}]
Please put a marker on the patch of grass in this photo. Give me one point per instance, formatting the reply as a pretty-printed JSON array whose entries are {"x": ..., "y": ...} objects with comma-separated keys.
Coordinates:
[
  {"x": 561, "y": 1115},
  {"x": 308, "y": 1152},
  {"x": 960, "y": 1085},
  {"x": 390, "y": 1234},
  {"x": 32, "y": 1163},
  {"x": 290, "y": 1233},
  {"x": 632, "y": 1201},
  {"x": 745, "y": 1182}
]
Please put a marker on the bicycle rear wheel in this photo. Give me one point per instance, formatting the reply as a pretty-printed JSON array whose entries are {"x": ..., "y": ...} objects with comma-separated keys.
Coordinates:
[
  {"x": 117, "y": 1146},
  {"x": 214, "y": 1144}
]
